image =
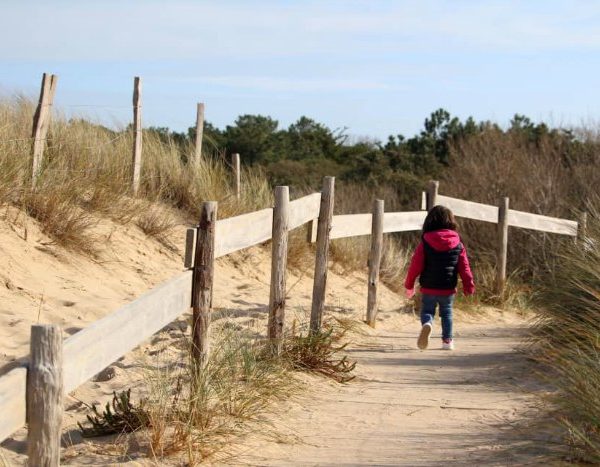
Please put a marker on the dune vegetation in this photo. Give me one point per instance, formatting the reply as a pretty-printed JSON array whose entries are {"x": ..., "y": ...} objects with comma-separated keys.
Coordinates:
[{"x": 86, "y": 177}]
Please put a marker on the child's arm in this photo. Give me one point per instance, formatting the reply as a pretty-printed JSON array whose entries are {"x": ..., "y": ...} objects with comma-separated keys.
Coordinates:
[
  {"x": 417, "y": 264},
  {"x": 464, "y": 270}
]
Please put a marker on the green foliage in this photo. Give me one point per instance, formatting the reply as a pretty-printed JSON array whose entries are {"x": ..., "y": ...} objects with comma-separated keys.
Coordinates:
[{"x": 124, "y": 417}]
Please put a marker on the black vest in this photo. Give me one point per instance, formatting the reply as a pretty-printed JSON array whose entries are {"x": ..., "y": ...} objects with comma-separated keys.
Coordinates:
[{"x": 441, "y": 267}]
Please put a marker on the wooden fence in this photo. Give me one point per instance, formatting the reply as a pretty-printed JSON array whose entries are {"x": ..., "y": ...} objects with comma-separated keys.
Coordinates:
[{"x": 34, "y": 393}]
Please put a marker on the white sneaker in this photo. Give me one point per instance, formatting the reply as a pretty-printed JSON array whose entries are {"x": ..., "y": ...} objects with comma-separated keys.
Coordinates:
[
  {"x": 423, "y": 340},
  {"x": 447, "y": 344}
]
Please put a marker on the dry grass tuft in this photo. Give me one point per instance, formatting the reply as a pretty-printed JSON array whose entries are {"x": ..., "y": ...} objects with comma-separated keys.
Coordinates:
[
  {"x": 566, "y": 342},
  {"x": 86, "y": 174}
]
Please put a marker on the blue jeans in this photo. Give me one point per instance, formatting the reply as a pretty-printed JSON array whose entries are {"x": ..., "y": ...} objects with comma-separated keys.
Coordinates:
[{"x": 428, "y": 303}]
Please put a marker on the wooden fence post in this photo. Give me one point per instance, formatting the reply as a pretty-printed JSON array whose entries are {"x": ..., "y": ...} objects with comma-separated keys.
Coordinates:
[
  {"x": 432, "y": 193},
  {"x": 375, "y": 261},
  {"x": 137, "y": 133},
  {"x": 202, "y": 285},
  {"x": 278, "y": 266},
  {"x": 322, "y": 254},
  {"x": 237, "y": 176},
  {"x": 502, "y": 245},
  {"x": 41, "y": 122},
  {"x": 423, "y": 201},
  {"x": 45, "y": 395},
  {"x": 199, "y": 133}
]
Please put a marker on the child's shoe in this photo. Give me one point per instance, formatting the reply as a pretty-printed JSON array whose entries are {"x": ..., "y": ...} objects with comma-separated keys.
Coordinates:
[
  {"x": 447, "y": 344},
  {"x": 423, "y": 340}
]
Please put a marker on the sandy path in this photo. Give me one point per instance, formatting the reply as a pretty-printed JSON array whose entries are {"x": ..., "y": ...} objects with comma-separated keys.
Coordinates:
[{"x": 412, "y": 407}]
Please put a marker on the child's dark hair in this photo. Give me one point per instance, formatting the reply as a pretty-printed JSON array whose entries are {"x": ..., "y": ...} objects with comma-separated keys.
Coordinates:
[{"x": 438, "y": 218}]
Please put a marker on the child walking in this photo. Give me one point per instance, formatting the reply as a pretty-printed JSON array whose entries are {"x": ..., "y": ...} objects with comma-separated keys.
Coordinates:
[{"x": 438, "y": 261}]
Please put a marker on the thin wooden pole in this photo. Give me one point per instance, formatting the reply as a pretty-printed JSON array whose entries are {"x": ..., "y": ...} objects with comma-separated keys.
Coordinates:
[
  {"x": 237, "y": 174},
  {"x": 45, "y": 395},
  {"x": 432, "y": 194},
  {"x": 375, "y": 261},
  {"x": 202, "y": 285},
  {"x": 423, "y": 206},
  {"x": 199, "y": 132},
  {"x": 502, "y": 245},
  {"x": 278, "y": 266},
  {"x": 322, "y": 254},
  {"x": 41, "y": 122},
  {"x": 137, "y": 133}
]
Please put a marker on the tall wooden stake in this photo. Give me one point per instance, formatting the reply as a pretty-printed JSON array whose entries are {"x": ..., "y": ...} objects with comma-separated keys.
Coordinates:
[
  {"x": 202, "y": 286},
  {"x": 375, "y": 261},
  {"x": 432, "y": 193},
  {"x": 41, "y": 123},
  {"x": 199, "y": 132},
  {"x": 137, "y": 133},
  {"x": 278, "y": 266},
  {"x": 237, "y": 174},
  {"x": 45, "y": 395},
  {"x": 322, "y": 254},
  {"x": 502, "y": 245}
]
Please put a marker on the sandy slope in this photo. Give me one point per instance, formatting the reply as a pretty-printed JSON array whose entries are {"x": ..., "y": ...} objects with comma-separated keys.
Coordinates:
[{"x": 406, "y": 408}]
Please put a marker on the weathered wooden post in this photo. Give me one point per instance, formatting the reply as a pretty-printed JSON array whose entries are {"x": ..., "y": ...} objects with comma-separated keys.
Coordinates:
[
  {"x": 423, "y": 201},
  {"x": 432, "y": 193},
  {"x": 502, "y": 245},
  {"x": 375, "y": 260},
  {"x": 41, "y": 123},
  {"x": 45, "y": 395},
  {"x": 199, "y": 133},
  {"x": 322, "y": 254},
  {"x": 237, "y": 175},
  {"x": 202, "y": 286},
  {"x": 137, "y": 134},
  {"x": 278, "y": 266}
]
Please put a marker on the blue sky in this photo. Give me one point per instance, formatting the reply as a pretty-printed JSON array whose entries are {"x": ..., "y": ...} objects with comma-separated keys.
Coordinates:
[{"x": 375, "y": 67}]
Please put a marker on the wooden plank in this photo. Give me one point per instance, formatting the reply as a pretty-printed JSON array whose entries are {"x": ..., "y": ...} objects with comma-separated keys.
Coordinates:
[
  {"x": 304, "y": 210},
  {"x": 403, "y": 221},
  {"x": 432, "y": 194},
  {"x": 469, "y": 209},
  {"x": 279, "y": 254},
  {"x": 237, "y": 175},
  {"x": 350, "y": 225},
  {"x": 12, "y": 401},
  {"x": 199, "y": 133},
  {"x": 502, "y": 248},
  {"x": 190, "y": 240},
  {"x": 322, "y": 253},
  {"x": 136, "y": 163},
  {"x": 104, "y": 341},
  {"x": 45, "y": 395},
  {"x": 375, "y": 261},
  {"x": 235, "y": 233},
  {"x": 202, "y": 283},
  {"x": 526, "y": 220}
]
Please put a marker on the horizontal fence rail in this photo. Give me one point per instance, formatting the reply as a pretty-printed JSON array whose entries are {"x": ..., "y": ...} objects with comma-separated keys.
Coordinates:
[
  {"x": 469, "y": 209},
  {"x": 526, "y": 220},
  {"x": 12, "y": 401}
]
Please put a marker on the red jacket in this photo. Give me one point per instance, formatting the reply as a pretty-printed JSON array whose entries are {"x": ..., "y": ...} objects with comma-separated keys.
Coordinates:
[{"x": 440, "y": 240}]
